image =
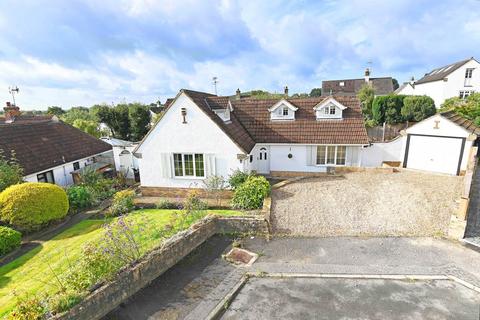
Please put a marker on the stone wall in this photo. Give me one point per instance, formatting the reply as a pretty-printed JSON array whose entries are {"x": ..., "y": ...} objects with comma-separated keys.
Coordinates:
[
  {"x": 132, "y": 279},
  {"x": 181, "y": 192}
]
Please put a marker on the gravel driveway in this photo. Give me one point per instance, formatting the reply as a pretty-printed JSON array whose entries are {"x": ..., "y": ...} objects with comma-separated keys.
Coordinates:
[{"x": 367, "y": 204}]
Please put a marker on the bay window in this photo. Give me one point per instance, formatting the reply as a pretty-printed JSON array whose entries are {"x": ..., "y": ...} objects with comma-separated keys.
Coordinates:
[
  {"x": 188, "y": 165},
  {"x": 331, "y": 155}
]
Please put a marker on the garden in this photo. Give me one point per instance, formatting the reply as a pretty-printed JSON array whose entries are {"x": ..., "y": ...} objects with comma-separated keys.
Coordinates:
[{"x": 58, "y": 273}]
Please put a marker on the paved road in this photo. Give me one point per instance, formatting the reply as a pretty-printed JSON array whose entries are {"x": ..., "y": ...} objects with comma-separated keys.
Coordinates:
[{"x": 296, "y": 298}]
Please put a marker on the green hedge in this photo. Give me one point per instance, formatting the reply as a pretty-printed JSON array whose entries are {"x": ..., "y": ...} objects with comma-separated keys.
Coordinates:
[
  {"x": 417, "y": 108},
  {"x": 9, "y": 240},
  {"x": 32, "y": 205},
  {"x": 388, "y": 109},
  {"x": 250, "y": 194}
]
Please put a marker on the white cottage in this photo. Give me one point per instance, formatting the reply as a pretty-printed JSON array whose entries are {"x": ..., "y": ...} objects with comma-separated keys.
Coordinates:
[
  {"x": 202, "y": 134},
  {"x": 459, "y": 79}
]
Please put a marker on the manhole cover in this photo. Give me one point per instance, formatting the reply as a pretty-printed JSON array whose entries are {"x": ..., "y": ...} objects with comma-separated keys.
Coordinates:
[{"x": 241, "y": 257}]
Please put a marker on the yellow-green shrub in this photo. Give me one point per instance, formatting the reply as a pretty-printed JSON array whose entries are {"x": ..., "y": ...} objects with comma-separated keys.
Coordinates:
[{"x": 32, "y": 205}]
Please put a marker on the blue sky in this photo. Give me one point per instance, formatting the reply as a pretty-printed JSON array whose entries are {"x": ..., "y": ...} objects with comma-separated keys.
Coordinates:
[{"x": 74, "y": 52}]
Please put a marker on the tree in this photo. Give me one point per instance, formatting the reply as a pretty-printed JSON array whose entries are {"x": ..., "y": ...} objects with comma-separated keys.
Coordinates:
[
  {"x": 300, "y": 95},
  {"x": 10, "y": 171},
  {"x": 316, "y": 92},
  {"x": 388, "y": 109},
  {"x": 77, "y": 113},
  {"x": 55, "y": 111},
  {"x": 366, "y": 94},
  {"x": 139, "y": 116},
  {"x": 417, "y": 108},
  {"x": 468, "y": 108},
  {"x": 395, "y": 84},
  {"x": 88, "y": 126}
]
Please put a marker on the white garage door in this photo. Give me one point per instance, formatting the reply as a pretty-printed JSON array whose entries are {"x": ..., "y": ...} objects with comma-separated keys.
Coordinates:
[{"x": 433, "y": 153}]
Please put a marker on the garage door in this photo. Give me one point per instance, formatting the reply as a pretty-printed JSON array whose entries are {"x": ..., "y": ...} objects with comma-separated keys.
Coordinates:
[{"x": 434, "y": 153}]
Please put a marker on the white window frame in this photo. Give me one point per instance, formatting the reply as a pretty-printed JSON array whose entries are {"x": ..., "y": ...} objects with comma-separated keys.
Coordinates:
[
  {"x": 326, "y": 156},
  {"x": 184, "y": 176},
  {"x": 468, "y": 77},
  {"x": 283, "y": 111},
  {"x": 464, "y": 94}
]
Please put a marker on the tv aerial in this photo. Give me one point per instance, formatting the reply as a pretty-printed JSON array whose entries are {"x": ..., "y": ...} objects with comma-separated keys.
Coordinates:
[{"x": 13, "y": 91}]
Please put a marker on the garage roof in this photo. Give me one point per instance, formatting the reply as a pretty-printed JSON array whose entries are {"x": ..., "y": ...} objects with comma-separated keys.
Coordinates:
[{"x": 461, "y": 121}]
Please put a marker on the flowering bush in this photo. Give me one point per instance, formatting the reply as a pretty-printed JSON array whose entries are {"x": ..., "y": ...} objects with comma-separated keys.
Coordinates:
[{"x": 122, "y": 203}]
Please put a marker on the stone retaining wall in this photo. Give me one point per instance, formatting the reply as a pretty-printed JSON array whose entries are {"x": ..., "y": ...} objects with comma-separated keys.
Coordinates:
[
  {"x": 132, "y": 279},
  {"x": 181, "y": 192}
]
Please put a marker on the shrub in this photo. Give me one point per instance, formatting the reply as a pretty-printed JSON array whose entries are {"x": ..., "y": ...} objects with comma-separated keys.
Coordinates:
[
  {"x": 79, "y": 197},
  {"x": 28, "y": 308},
  {"x": 366, "y": 94},
  {"x": 251, "y": 193},
  {"x": 214, "y": 185},
  {"x": 417, "y": 108},
  {"x": 166, "y": 204},
  {"x": 32, "y": 205},
  {"x": 237, "y": 178},
  {"x": 122, "y": 203},
  {"x": 89, "y": 176},
  {"x": 10, "y": 172},
  {"x": 193, "y": 202},
  {"x": 388, "y": 109},
  {"x": 9, "y": 240}
]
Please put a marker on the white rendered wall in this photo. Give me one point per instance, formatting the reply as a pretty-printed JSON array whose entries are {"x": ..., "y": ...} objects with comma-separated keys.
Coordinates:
[
  {"x": 279, "y": 161},
  {"x": 62, "y": 174},
  {"x": 199, "y": 135},
  {"x": 377, "y": 153}
]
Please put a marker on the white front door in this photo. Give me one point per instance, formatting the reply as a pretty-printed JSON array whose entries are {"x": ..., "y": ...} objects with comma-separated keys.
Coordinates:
[{"x": 263, "y": 161}]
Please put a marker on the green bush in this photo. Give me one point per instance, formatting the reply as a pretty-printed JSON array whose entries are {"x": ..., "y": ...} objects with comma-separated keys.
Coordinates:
[
  {"x": 79, "y": 197},
  {"x": 122, "y": 203},
  {"x": 9, "y": 240},
  {"x": 30, "y": 206},
  {"x": 166, "y": 204},
  {"x": 237, "y": 178},
  {"x": 193, "y": 202},
  {"x": 28, "y": 308},
  {"x": 417, "y": 108},
  {"x": 388, "y": 109},
  {"x": 251, "y": 193}
]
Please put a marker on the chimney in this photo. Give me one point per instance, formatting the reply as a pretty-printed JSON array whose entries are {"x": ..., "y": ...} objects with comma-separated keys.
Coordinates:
[
  {"x": 367, "y": 75},
  {"x": 238, "y": 94},
  {"x": 11, "y": 112},
  {"x": 286, "y": 91}
]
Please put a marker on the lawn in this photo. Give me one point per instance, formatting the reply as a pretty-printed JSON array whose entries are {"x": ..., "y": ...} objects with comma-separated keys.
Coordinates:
[{"x": 32, "y": 273}]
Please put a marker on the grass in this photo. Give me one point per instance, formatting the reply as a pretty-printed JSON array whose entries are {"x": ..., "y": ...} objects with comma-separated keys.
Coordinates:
[{"x": 32, "y": 273}]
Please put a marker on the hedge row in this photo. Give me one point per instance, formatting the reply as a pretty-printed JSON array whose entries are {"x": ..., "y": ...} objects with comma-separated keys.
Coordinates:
[{"x": 400, "y": 108}]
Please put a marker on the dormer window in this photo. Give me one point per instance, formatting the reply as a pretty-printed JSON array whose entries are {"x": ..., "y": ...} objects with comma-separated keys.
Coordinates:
[
  {"x": 329, "y": 109},
  {"x": 282, "y": 110}
]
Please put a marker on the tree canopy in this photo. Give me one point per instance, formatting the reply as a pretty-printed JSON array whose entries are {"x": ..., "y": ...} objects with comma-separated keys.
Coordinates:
[{"x": 468, "y": 108}]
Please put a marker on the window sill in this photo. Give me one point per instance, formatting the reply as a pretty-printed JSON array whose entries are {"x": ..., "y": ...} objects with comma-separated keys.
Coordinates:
[{"x": 188, "y": 178}]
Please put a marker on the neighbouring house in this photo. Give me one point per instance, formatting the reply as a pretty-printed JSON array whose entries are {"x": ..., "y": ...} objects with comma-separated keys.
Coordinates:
[
  {"x": 382, "y": 86},
  {"x": 48, "y": 149},
  {"x": 441, "y": 143},
  {"x": 125, "y": 162},
  {"x": 202, "y": 134},
  {"x": 459, "y": 79}
]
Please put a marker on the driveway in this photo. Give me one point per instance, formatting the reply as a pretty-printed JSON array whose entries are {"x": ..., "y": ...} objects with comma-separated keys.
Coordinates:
[{"x": 371, "y": 203}]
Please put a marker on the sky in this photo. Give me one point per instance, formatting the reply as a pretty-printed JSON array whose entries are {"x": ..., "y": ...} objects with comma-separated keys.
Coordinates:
[{"x": 78, "y": 53}]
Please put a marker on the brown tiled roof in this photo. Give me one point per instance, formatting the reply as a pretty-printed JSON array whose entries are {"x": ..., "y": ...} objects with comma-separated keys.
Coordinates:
[
  {"x": 234, "y": 129},
  {"x": 254, "y": 115},
  {"x": 461, "y": 121},
  {"x": 45, "y": 143},
  {"x": 442, "y": 72},
  {"x": 382, "y": 86}
]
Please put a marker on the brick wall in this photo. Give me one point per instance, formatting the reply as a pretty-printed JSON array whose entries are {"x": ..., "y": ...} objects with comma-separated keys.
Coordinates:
[{"x": 181, "y": 192}]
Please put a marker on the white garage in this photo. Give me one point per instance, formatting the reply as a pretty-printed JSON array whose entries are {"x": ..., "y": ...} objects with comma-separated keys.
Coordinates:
[{"x": 441, "y": 143}]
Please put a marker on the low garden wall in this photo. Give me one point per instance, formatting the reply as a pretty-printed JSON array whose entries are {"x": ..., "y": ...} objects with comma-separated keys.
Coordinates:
[
  {"x": 182, "y": 192},
  {"x": 132, "y": 279}
]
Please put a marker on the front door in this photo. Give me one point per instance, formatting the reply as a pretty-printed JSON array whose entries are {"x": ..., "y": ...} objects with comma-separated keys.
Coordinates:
[{"x": 263, "y": 161}]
